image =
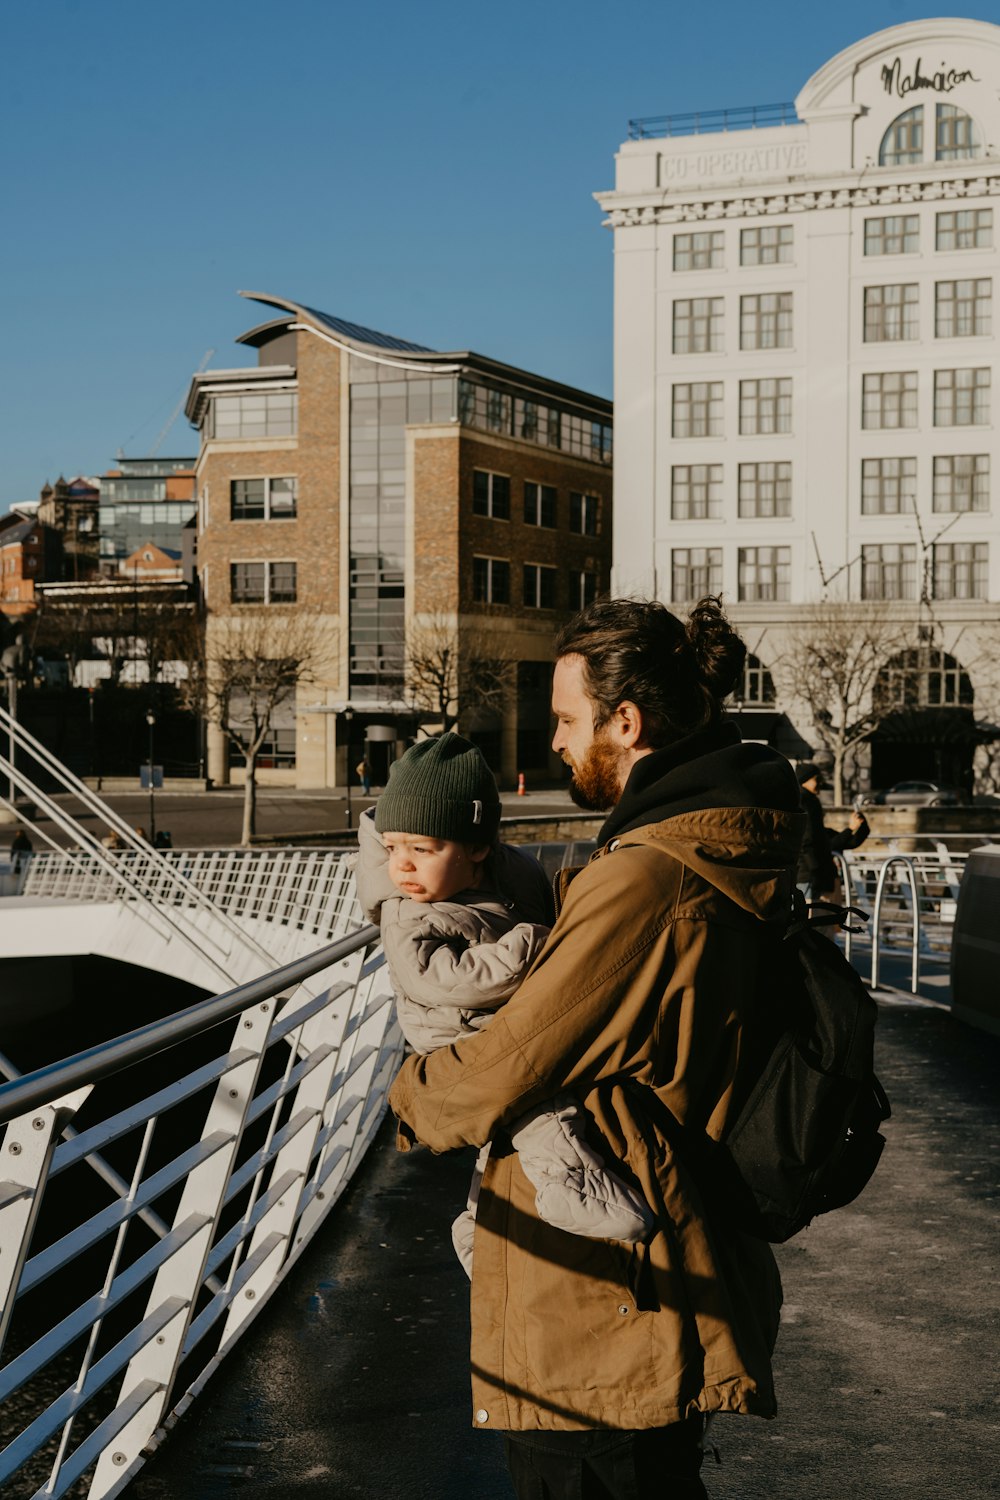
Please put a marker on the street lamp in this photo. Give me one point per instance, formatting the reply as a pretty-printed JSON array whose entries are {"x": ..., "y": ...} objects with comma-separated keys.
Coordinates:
[
  {"x": 151, "y": 721},
  {"x": 348, "y": 715}
]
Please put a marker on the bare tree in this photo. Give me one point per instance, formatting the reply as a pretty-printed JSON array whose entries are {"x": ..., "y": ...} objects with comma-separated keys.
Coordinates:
[
  {"x": 243, "y": 669},
  {"x": 452, "y": 670},
  {"x": 836, "y": 666}
]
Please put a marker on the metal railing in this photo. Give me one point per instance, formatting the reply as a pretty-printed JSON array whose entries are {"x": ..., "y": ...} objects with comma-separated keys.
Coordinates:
[
  {"x": 121, "y": 1293},
  {"x": 311, "y": 889},
  {"x": 710, "y": 121},
  {"x": 912, "y": 899}
]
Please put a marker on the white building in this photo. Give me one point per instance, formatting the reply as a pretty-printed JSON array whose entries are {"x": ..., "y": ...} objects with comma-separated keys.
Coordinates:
[{"x": 806, "y": 385}]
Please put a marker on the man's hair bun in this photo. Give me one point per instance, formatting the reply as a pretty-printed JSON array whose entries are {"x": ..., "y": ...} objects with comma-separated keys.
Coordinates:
[{"x": 718, "y": 650}]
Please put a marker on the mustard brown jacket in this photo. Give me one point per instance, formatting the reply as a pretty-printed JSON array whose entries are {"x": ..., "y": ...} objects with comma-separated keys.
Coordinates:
[{"x": 639, "y": 1004}]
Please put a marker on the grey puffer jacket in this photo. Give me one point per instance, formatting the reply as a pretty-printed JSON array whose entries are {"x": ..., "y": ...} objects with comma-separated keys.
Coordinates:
[{"x": 453, "y": 963}]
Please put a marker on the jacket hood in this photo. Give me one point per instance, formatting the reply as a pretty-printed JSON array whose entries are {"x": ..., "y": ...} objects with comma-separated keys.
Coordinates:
[{"x": 727, "y": 810}]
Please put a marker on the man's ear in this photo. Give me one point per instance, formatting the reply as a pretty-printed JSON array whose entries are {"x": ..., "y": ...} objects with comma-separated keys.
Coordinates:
[
  {"x": 627, "y": 726},
  {"x": 478, "y": 852}
]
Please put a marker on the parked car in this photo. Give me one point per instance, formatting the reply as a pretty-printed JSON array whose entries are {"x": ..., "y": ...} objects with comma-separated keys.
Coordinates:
[{"x": 917, "y": 794}]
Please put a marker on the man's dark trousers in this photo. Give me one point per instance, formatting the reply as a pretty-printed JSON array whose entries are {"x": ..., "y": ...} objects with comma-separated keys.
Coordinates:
[{"x": 660, "y": 1463}]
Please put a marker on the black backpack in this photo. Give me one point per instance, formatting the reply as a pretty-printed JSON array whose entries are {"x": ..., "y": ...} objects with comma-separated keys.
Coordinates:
[{"x": 806, "y": 1138}]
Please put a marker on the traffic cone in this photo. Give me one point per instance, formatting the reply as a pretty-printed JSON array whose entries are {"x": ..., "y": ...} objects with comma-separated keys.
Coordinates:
[{"x": 520, "y": 784}]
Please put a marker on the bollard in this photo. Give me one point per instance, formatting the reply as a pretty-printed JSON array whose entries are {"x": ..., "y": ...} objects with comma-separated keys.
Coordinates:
[{"x": 520, "y": 784}]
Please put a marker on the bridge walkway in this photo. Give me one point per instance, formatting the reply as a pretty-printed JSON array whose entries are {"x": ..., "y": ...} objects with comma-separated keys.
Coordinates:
[{"x": 354, "y": 1382}]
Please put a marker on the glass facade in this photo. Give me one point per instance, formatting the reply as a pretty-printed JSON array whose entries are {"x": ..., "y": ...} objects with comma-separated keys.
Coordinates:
[{"x": 380, "y": 410}]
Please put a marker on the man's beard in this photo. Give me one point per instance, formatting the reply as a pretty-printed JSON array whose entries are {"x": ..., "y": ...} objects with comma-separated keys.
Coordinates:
[{"x": 596, "y": 781}]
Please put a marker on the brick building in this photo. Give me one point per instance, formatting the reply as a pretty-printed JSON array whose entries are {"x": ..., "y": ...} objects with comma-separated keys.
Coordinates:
[
  {"x": 70, "y": 507},
  {"x": 419, "y": 503},
  {"x": 29, "y": 554}
]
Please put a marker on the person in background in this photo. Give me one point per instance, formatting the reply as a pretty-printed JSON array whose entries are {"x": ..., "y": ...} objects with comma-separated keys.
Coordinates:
[
  {"x": 816, "y": 873},
  {"x": 20, "y": 845},
  {"x": 364, "y": 773}
]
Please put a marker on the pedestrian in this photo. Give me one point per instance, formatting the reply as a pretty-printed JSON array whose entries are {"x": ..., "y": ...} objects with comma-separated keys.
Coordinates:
[
  {"x": 20, "y": 845},
  {"x": 364, "y": 773},
  {"x": 598, "y": 1361},
  {"x": 816, "y": 873},
  {"x": 463, "y": 918}
]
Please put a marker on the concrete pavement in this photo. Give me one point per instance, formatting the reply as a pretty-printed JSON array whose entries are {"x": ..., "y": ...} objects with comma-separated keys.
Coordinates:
[{"x": 354, "y": 1381}]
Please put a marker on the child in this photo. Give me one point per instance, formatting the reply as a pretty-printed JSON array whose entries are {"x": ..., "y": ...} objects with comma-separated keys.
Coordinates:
[{"x": 463, "y": 917}]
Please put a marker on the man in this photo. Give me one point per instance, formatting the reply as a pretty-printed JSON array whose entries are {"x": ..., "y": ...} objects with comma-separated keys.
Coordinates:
[
  {"x": 599, "y": 1360},
  {"x": 816, "y": 873}
]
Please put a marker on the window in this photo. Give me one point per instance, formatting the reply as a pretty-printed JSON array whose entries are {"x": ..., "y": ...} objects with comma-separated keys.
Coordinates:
[
  {"x": 765, "y": 573},
  {"x": 889, "y": 571},
  {"x": 699, "y": 252},
  {"x": 962, "y": 482},
  {"x": 491, "y": 495},
  {"x": 758, "y": 684},
  {"x": 277, "y": 749},
  {"x": 888, "y": 486},
  {"x": 765, "y": 406},
  {"x": 956, "y": 138},
  {"x": 903, "y": 142},
  {"x": 889, "y": 400},
  {"x": 963, "y": 309},
  {"x": 698, "y": 325},
  {"x": 765, "y": 489},
  {"x": 539, "y": 586},
  {"x": 262, "y": 499},
  {"x": 498, "y": 411},
  {"x": 267, "y": 414},
  {"x": 897, "y": 234},
  {"x": 766, "y": 321},
  {"x": 695, "y": 572},
  {"x": 961, "y": 398},
  {"x": 695, "y": 492},
  {"x": 965, "y": 229},
  {"x": 262, "y": 582},
  {"x": 961, "y": 570},
  {"x": 490, "y": 580},
  {"x": 582, "y": 589},
  {"x": 539, "y": 504},
  {"x": 697, "y": 409},
  {"x": 767, "y": 245},
  {"x": 584, "y": 514},
  {"x": 891, "y": 313}
]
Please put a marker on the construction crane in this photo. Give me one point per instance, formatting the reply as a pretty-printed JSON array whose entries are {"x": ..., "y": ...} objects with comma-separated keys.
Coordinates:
[{"x": 174, "y": 414}]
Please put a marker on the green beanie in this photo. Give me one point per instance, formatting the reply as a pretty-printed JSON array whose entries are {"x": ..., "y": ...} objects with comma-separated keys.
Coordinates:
[{"x": 443, "y": 789}]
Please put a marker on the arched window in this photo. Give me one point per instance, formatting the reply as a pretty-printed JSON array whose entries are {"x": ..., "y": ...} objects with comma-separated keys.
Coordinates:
[
  {"x": 903, "y": 142},
  {"x": 757, "y": 687},
  {"x": 923, "y": 678},
  {"x": 956, "y": 138}
]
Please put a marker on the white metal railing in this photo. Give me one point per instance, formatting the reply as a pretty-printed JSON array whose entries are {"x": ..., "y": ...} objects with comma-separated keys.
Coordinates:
[
  {"x": 311, "y": 889},
  {"x": 912, "y": 899},
  {"x": 235, "y": 1129}
]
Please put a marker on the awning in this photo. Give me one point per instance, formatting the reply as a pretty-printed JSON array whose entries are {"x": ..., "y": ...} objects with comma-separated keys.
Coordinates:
[{"x": 766, "y": 727}]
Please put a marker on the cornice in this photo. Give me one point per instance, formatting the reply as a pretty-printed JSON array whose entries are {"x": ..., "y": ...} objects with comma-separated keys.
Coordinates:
[{"x": 761, "y": 204}]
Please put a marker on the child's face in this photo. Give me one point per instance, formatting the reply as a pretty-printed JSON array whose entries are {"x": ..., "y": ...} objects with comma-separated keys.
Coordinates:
[{"x": 432, "y": 869}]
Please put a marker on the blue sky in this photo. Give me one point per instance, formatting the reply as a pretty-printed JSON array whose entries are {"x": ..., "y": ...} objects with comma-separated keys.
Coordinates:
[{"x": 424, "y": 169}]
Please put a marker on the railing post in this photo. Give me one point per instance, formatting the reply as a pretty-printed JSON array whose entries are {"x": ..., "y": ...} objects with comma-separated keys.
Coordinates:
[
  {"x": 907, "y": 863},
  {"x": 25, "y": 1157},
  {"x": 326, "y": 1028},
  {"x": 183, "y": 1274}
]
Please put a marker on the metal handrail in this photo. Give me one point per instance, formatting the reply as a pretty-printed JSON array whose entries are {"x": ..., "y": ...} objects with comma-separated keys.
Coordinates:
[
  {"x": 96, "y": 1063},
  {"x": 906, "y": 862},
  {"x": 258, "y": 1141}
]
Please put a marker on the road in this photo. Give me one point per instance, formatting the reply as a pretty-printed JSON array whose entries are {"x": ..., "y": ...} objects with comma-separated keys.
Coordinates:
[
  {"x": 213, "y": 820},
  {"x": 354, "y": 1381}
]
